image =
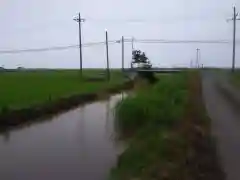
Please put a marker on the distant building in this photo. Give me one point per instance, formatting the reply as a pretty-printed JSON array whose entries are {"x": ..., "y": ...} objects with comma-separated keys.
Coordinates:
[{"x": 142, "y": 65}]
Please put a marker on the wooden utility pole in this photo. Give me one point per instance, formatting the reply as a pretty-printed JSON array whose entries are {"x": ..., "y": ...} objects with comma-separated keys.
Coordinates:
[
  {"x": 132, "y": 43},
  {"x": 132, "y": 49},
  {"x": 191, "y": 64},
  {"x": 197, "y": 58},
  {"x": 80, "y": 20},
  {"x": 107, "y": 55},
  {"x": 122, "y": 53},
  {"x": 234, "y": 19},
  {"x": 234, "y": 38}
]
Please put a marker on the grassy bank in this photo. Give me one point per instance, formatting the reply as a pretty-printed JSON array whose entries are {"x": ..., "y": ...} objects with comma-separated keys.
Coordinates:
[
  {"x": 167, "y": 133},
  {"x": 24, "y": 89},
  {"x": 235, "y": 78}
]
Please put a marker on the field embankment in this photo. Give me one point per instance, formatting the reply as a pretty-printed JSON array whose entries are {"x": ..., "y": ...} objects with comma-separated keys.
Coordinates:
[{"x": 167, "y": 132}]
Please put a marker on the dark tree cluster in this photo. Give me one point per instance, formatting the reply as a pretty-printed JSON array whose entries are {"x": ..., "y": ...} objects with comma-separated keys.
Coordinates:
[
  {"x": 141, "y": 60},
  {"x": 139, "y": 57}
]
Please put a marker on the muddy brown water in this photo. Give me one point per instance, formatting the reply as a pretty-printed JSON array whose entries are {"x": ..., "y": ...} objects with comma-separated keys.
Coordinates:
[{"x": 79, "y": 144}]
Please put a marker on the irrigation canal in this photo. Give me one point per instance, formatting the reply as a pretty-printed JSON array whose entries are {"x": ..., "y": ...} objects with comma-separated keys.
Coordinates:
[{"x": 79, "y": 144}]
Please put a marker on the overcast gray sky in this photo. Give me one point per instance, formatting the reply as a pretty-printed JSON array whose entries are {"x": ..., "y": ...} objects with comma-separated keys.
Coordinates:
[{"x": 43, "y": 23}]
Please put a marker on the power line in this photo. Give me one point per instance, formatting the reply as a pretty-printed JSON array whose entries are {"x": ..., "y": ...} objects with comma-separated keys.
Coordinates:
[
  {"x": 44, "y": 26},
  {"x": 56, "y": 48},
  {"x": 100, "y": 43},
  {"x": 53, "y": 48},
  {"x": 145, "y": 41},
  {"x": 182, "y": 41},
  {"x": 149, "y": 20}
]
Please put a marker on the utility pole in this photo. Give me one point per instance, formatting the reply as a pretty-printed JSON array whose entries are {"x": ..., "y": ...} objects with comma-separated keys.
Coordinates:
[
  {"x": 191, "y": 64},
  {"x": 132, "y": 49},
  {"x": 234, "y": 38},
  {"x": 132, "y": 43},
  {"x": 80, "y": 20},
  {"x": 234, "y": 19},
  {"x": 108, "y": 71},
  {"x": 197, "y": 60},
  {"x": 122, "y": 53}
]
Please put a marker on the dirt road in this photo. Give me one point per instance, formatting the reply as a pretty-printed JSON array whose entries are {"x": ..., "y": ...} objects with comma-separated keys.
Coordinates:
[{"x": 225, "y": 124}]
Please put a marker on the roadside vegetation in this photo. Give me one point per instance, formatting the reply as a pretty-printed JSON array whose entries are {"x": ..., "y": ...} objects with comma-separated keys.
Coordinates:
[
  {"x": 26, "y": 88},
  {"x": 167, "y": 133},
  {"x": 235, "y": 78}
]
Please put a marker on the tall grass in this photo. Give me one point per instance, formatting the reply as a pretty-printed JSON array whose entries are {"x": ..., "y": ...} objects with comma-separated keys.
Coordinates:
[
  {"x": 147, "y": 120},
  {"x": 159, "y": 105}
]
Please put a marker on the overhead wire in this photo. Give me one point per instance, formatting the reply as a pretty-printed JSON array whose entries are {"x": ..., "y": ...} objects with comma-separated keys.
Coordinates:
[
  {"x": 145, "y": 41},
  {"x": 150, "y": 20},
  {"x": 182, "y": 41},
  {"x": 53, "y": 48},
  {"x": 56, "y": 48}
]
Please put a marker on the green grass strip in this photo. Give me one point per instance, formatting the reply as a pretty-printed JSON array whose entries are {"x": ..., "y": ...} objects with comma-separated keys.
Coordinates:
[{"x": 147, "y": 120}]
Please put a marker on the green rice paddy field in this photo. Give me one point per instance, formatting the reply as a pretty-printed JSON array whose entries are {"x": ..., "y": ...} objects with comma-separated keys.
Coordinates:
[{"x": 25, "y": 88}]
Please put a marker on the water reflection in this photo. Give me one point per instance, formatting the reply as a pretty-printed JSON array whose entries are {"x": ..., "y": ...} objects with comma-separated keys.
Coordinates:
[
  {"x": 108, "y": 123},
  {"x": 78, "y": 144},
  {"x": 6, "y": 136}
]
